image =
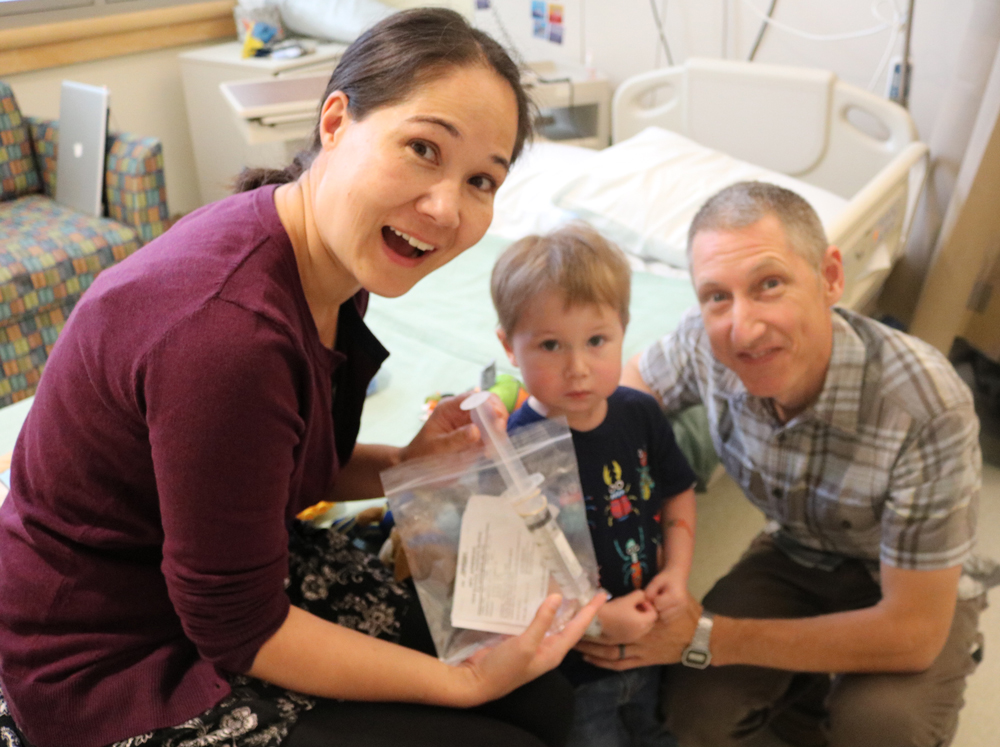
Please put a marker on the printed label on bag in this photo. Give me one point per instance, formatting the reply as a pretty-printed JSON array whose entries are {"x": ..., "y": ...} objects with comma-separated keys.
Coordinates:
[{"x": 501, "y": 579}]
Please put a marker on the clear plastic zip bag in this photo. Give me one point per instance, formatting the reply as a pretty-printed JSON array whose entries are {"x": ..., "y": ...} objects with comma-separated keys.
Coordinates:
[{"x": 486, "y": 579}]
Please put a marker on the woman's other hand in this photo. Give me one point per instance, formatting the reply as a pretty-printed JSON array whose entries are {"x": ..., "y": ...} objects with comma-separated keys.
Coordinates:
[
  {"x": 492, "y": 673},
  {"x": 449, "y": 428}
]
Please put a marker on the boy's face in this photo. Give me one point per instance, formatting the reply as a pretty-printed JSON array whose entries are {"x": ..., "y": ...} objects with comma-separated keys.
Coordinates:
[{"x": 570, "y": 357}]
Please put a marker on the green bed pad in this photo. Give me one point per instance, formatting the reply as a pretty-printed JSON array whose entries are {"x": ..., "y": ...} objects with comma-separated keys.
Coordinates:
[{"x": 441, "y": 334}]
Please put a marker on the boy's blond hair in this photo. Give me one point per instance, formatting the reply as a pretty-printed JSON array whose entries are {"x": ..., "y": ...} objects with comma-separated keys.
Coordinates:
[{"x": 575, "y": 259}]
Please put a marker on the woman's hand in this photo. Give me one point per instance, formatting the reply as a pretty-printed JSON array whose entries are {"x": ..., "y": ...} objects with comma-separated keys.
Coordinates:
[
  {"x": 626, "y": 619},
  {"x": 492, "y": 673},
  {"x": 449, "y": 429}
]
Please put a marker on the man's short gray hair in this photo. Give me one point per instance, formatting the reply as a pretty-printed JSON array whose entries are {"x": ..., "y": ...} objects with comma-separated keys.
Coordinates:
[{"x": 744, "y": 203}]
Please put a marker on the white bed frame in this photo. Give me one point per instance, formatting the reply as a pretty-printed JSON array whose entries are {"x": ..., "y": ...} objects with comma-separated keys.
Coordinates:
[{"x": 803, "y": 123}]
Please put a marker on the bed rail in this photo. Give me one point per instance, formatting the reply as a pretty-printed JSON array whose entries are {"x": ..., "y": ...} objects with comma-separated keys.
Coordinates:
[{"x": 804, "y": 123}]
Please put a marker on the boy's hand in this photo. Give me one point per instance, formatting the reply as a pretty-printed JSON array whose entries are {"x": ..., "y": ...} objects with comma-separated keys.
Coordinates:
[
  {"x": 668, "y": 593},
  {"x": 626, "y": 619}
]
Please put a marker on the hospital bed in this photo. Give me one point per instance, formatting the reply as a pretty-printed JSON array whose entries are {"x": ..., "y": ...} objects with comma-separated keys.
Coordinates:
[{"x": 678, "y": 135}]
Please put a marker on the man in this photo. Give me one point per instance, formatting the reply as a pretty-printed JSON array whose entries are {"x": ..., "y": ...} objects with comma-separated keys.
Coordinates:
[{"x": 860, "y": 444}]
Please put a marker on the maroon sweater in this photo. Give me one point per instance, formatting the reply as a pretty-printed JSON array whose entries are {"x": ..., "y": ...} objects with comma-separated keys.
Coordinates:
[{"x": 183, "y": 418}]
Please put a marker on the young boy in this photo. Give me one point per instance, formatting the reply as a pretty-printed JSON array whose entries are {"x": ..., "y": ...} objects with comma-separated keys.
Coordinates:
[{"x": 562, "y": 300}]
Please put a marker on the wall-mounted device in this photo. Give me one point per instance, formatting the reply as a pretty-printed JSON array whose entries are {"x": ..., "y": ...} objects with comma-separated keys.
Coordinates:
[{"x": 574, "y": 103}]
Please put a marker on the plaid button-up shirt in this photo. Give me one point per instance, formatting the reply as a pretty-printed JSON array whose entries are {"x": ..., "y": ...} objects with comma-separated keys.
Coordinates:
[{"x": 885, "y": 465}]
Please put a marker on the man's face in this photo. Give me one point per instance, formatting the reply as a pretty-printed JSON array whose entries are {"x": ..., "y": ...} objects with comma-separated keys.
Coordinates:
[{"x": 767, "y": 310}]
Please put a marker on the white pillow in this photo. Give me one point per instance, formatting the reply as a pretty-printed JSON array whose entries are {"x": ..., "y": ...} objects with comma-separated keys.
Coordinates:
[
  {"x": 523, "y": 204},
  {"x": 343, "y": 21},
  {"x": 643, "y": 192}
]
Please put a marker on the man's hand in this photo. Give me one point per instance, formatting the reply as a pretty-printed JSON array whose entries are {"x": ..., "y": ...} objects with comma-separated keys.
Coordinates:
[
  {"x": 663, "y": 644},
  {"x": 626, "y": 619}
]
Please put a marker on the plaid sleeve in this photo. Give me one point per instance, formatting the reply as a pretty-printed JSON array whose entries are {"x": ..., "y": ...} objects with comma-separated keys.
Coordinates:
[
  {"x": 929, "y": 521},
  {"x": 672, "y": 366}
]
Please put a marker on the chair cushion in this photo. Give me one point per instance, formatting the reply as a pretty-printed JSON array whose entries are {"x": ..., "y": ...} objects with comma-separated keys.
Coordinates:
[
  {"x": 18, "y": 173},
  {"x": 45, "y": 141},
  {"x": 25, "y": 346},
  {"x": 52, "y": 254}
]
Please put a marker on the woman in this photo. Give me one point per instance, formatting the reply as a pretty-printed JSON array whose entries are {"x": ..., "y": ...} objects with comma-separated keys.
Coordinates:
[{"x": 185, "y": 418}]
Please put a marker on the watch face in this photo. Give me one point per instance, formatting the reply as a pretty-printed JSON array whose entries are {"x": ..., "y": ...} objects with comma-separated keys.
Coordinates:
[{"x": 696, "y": 658}]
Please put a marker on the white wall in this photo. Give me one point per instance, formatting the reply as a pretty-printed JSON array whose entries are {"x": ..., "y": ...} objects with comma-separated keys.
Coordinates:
[{"x": 622, "y": 39}]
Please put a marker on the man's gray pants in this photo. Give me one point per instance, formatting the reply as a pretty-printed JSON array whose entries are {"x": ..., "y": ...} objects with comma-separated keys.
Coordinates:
[{"x": 728, "y": 705}]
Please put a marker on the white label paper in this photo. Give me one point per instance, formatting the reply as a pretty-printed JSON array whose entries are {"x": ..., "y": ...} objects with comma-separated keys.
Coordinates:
[{"x": 500, "y": 580}]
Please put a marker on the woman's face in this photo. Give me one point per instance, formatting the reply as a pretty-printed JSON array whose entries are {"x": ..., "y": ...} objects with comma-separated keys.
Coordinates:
[{"x": 411, "y": 186}]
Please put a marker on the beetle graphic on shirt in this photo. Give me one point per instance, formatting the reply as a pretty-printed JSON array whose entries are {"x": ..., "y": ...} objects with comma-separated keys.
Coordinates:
[
  {"x": 619, "y": 505},
  {"x": 646, "y": 483},
  {"x": 636, "y": 564}
]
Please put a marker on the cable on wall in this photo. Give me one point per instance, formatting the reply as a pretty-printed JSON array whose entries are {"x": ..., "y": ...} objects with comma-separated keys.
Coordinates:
[
  {"x": 903, "y": 98},
  {"x": 763, "y": 28},
  {"x": 886, "y": 55},
  {"x": 511, "y": 46},
  {"x": 659, "y": 28},
  {"x": 884, "y": 26},
  {"x": 895, "y": 24}
]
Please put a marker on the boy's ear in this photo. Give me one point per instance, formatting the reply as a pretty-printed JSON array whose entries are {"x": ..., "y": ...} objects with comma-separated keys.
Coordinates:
[{"x": 502, "y": 336}]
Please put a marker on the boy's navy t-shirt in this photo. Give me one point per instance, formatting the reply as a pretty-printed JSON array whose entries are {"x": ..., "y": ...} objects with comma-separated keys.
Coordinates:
[{"x": 628, "y": 465}]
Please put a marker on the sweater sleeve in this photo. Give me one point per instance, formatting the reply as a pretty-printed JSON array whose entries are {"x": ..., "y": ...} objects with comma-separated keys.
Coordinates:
[{"x": 221, "y": 396}]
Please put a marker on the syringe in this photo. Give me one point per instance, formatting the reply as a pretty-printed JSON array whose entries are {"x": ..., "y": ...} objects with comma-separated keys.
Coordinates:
[{"x": 530, "y": 504}]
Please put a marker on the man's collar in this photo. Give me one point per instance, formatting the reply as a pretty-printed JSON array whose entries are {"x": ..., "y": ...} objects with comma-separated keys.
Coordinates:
[{"x": 839, "y": 401}]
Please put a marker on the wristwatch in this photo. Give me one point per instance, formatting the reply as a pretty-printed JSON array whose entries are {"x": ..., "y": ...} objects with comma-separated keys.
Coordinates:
[{"x": 697, "y": 654}]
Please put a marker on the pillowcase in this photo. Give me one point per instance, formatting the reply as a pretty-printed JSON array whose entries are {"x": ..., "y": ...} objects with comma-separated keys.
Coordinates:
[
  {"x": 642, "y": 193},
  {"x": 523, "y": 204},
  {"x": 342, "y": 21}
]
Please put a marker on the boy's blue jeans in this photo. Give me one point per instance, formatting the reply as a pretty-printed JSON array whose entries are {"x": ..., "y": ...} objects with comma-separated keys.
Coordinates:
[{"x": 620, "y": 711}]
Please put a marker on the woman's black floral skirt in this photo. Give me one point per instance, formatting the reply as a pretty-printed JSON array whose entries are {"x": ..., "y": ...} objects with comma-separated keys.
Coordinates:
[{"x": 327, "y": 576}]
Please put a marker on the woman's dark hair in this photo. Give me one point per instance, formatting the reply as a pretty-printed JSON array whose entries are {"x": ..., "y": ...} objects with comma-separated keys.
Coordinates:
[{"x": 390, "y": 61}]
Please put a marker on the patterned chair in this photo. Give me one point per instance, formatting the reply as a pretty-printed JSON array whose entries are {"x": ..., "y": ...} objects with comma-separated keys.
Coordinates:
[{"x": 50, "y": 254}]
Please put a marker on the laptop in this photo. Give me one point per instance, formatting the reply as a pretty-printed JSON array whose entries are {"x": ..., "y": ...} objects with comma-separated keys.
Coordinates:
[{"x": 83, "y": 132}]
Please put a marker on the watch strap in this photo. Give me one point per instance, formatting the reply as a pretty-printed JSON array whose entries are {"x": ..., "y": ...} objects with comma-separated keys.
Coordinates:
[{"x": 698, "y": 654}]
